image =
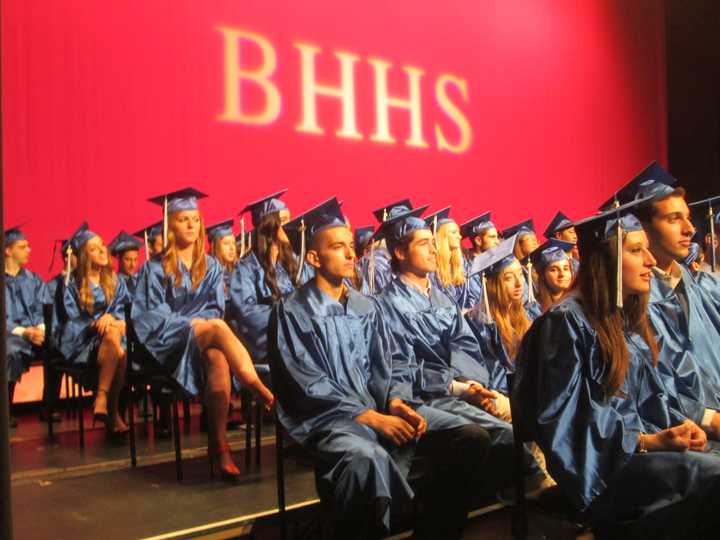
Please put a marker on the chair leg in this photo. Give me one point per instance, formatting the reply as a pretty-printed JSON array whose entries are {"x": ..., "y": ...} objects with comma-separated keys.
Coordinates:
[
  {"x": 67, "y": 396},
  {"x": 131, "y": 420},
  {"x": 81, "y": 416},
  {"x": 247, "y": 416},
  {"x": 176, "y": 438},
  {"x": 280, "y": 479},
  {"x": 186, "y": 416},
  {"x": 48, "y": 379},
  {"x": 258, "y": 430},
  {"x": 145, "y": 410}
]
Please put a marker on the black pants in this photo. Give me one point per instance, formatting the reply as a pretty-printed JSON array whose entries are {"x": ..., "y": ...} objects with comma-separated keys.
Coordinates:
[{"x": 456, "y": 457}]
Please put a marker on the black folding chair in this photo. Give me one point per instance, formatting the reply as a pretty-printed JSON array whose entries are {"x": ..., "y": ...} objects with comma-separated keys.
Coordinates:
[
  {"x": 138, "y": 378},
  {"x": 55, "y": 364}
]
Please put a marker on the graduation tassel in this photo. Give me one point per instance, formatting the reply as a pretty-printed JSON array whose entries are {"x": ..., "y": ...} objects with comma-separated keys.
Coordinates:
[
  {"x": 242, "y": 236},
  {"x": 711, "y": 216},
  {"x": 147, "y": 246},
  {"x": 531, "y": 289},
  {"x": 52, "y": 258},
  {"x": 165, "y": 222},
  {"x": 249, "y": 242},
  {"x": 385, "y": 215},
  {"x": 371, "y": 267},
  {"x": 435, "y": 228},
  {"x": 618, "y": 271},
  {"x": 68, "y": 268},
  {"x": 486, "y": 300},
  {"x": 302, "y": 250}
]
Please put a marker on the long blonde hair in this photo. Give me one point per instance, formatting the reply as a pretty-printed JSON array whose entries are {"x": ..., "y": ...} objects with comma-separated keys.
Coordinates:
[
  {"x": 170, "y": 258},
  {"x": 450, "y": 263},
  {"x": 509, "y": 315},
  {"x": 108, "y": 280}
]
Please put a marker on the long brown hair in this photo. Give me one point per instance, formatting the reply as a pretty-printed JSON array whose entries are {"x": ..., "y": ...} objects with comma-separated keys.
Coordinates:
[
  {"x": 597, "y": 286},
  {"x": 450, "y": 263},
  {"x": 216, "y": 250},
  {"x": 108, "y": 279},
  {"x": 509, "y": 315},
  {"x": 170, "y": 258},
  {"x": 265, "y": 237}
]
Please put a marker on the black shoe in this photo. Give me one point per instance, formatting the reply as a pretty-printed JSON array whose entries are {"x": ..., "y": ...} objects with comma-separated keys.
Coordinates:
[
  {"x": 55, "y": 417},
  {"x": 13, "y": 422}
]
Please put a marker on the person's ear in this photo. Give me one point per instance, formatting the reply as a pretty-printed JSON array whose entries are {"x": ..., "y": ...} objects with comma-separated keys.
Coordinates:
[
  {"x": 399, "y": 254},
  {"x": 313, "y": 258}
]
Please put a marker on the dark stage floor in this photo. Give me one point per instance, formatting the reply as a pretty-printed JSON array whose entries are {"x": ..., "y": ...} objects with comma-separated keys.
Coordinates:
[{"x": 61, "y": 491}]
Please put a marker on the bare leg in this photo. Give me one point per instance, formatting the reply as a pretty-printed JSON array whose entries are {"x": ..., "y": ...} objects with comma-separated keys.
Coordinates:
[
  {"x": 217, "y": 399},
  {"x": 217, "y": 334},
  {"x": 107, "y": 360}
]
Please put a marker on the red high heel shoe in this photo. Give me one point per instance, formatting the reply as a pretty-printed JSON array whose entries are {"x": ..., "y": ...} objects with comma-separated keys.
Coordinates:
[{"x": 214, "y": 453}]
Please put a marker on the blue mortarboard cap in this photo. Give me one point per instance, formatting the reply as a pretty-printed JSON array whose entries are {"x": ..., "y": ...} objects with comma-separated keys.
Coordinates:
[
  {"x": 476, "y": 225},
  {"x": 653, "y": 182},
  {"x": 220, "y": 230},
  {"x": 441, "y": 217},
  {"x": 495, "y": 259},
  {"x": 693, "y": 254},
  {"x": 521, "y": 229},
  {"x": 559, "y": 223},
  {"x": 183, "y": 199},
  {"x": 267, "y": 205},
  {"x": 400, "y": 225},
  {"x": 123, "y": 242},
  {"x": 153, "y": 231},
  {"x": 550, "y": 251},
  {"x": 362, "y": 236},
  {"x": 604, "y": 225},
  {"x": 80, "y": 236},
  {"x": 13, "y": 234},
  {"x": 324, "y": 216},
  {"x": 384, "y": 213}
]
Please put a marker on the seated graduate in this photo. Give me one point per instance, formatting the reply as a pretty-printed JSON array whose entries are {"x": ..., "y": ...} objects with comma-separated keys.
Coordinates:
[
  {"x": 177, "y": 314},
  {"x": 588, "y": 388},
  {"x": 554, "y": 271},
  {"x": 483, "y": 235},
  {"x": 332, "y": 364},
  {"x": 561, "y": 228},
  {"x": 708, "y": 213},
  {"x": 126, "y": 249},
  {"x": 375, "y": 263},
  {"x": 271, "y": 271},
  {"x": 685, "y": 317},
  {"x": 362, "y": 237},
  {"x": 69, "y": 259},
  {"x": 450, "y": 272},
  {"x": 502, "y": 318},
  {"x": 93, "y": 329},
  {"x": 224, "y": 249},
  {"x": 152, "y": 237},
  {"x": 25, "y": 294},
  {"x": 429, "y": 325}
]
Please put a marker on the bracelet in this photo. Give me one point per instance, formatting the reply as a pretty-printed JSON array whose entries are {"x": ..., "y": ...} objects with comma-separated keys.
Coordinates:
[{"x": 641, "y": 444}]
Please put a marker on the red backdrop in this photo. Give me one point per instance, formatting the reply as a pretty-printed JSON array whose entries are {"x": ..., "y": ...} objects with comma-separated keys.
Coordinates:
[{"x": 108, "y": 103}]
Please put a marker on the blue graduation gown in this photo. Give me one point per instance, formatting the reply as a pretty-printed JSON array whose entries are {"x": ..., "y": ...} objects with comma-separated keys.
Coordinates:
[
  {"x": 250, "y": 301},
  {"x": 474, "y": 294},
  {"x": 498, "y": 363},
  {"x": 25, "y": 294},
  {"x": 78, "y": 341},
  {"x": 331, "y": 362},
  {"x": 130, "y": 282},
  {"x": 441, "y": 347},
  {"x": 590, "y": 439},
  {"x": 689, "y": 355},
  {"x": 162, "y": 313},
  {"x": 458, "y": 293},
  {"x": 383, "y": 273},
  {"x": 711, "y": 284}
]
